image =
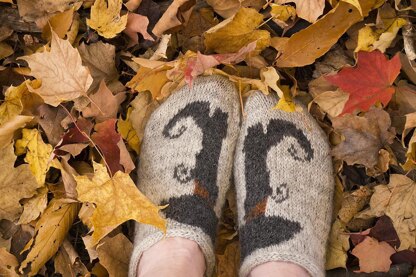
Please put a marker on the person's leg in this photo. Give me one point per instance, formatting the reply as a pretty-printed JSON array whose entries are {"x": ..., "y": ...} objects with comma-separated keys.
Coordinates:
[
  {"x": 186, "y": 162},
  {"x": 284, "y": 184}
]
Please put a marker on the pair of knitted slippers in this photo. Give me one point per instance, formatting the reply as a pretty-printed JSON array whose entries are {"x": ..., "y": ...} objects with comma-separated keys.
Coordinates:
[{"x": 282, "y": 173}]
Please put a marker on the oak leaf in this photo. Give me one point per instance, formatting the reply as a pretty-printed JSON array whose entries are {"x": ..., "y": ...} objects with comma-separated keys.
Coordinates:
[
  {"x": 50, "y": 231},
  {"x": 61, "y": 72},
  {"x": 15, "y": 184},
  {"x": 364, "y": 137},
  {"x": 114, "y": 254},
  {"x": 308, "y": 10},
  {"x": 117, "y": 200},
  {"x": 370, "y": 81},
  {"x": 104, "y": 105},
  {"x": 373, "y": 255},
  {"x": 106, "y": 19},
  {"x": 238, "y": 31},
  {"x": 37, "y": 152}
]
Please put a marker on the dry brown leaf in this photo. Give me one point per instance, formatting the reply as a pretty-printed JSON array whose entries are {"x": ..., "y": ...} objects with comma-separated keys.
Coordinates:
[
  {"x": 114, "y": 254},
  {"x": 237, "y": 31},
  {"x": 59, "y": 23},
  {"x": 117, "y": 200},
  {"x": 364, "y": 137},
  {"x": 308, "y": 10},
  {"x": 50, "y": 231},
  {"x": 227, "y": 8},
  {"x": 15, "y": 184},
  {"x": 34, "y": 10},
  {"x": 104, "y": 105},
  {"x": 8, "y": 264},
  {"x": 178, "y": 13},
  {"x": 106, "y": 19},
  {"x": 137, "y": 23},
  {"x": 353, "y": 203},
  {"x": 68, "y": 263},
  {"x": 307, "y": 45},
  {"x": 8, "y": 128},
  {"x": 373, "y": 255},
  {"x": 228, "y": 263},
  {"x": 33, "y": 207},
  {"x": 149, "y": 80},
  {"x": 99, "y": 57},
  {"x": 61, "y": 72}
]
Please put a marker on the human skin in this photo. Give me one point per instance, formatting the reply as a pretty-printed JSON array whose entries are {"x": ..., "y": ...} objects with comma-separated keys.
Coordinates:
[{"x": 182, "y": 257}]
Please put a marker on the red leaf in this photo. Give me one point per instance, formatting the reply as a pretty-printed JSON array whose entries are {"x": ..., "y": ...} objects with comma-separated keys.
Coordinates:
[
  {"x": 75, "y": 139},
  {"x": 384, "y": 231},
  {"x": 370, "y": 81},
  {"x": 106, "y": 138}
]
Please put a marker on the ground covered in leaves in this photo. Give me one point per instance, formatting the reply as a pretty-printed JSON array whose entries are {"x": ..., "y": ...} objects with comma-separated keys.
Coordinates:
[{"x": 81, "y": 77}]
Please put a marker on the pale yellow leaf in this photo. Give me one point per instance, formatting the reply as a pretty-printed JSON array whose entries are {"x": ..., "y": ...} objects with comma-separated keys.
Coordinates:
[
  {"x": 50, "y": 231},
  {"x": 117, "y": 200},
  {"x": 332, "y": 102},
  {"x": 61, "y": 72},
  {"x": 8, "y": 128},
  {"x": 338, "y": 245},
  {"x": 106, "y": 19},
  {"x": 37, "y": 153}
]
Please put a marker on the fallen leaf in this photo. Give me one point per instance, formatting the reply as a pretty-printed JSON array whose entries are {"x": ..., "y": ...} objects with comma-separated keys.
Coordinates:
[
  {"x": 8, "y": 264},
  {"x": 125, "y": 158},
  {"x": 353, "y": 202},
  {"x": 75, "y": 139},
  {"x": 5, "y": 50},
  {"x": 16, "y": 183},
  {"x": 370, "y": 81},
  {"x": 308, "y": 10},
  {"x": 8, "y": 128},
  {"x": 384, "y": 231},
  {"x": 67, "y": 174},
  {"x": 114, "y": 254},
  {"x": 128, "y": 133},
  {"x": 373, "y": 255},
  {"x": 99, "y": 57},
  {"x": 104, "y": 105},
  {"x": 132, "y": 5},
  {"x": 137, "y": 23},
  {"x": 68, "y": 263},
  {"x": 61, "y": 72},
  {"x": 59, "y": 23},
  {"x": 107, "y": 138},
  {"x": 117, "y": 200},
  {"x": 149, "y": 80},
  {"x": 282, "y": 13},
  {"x": 32, "y": 11},
  {"x": 332, "y": 102},
  {"x": 50, "y": 231},
  {"x": 356, "y": 4},
  {"x": 178, "y": 13},
  {"x": 338, "y": 245},
  {"x": 37, "y": 152},
  {"x": 305, "y": 46},
  {"x": 33, "y": 207},
  {"x": 228, "y": 263},
  {"x": 364, "y": 137},
  {"x": 106, "y": 19},
  {"x": 238, "y": 30},
  {"x": 228, "y": 8},
  {"x": 49, "y": 118}
]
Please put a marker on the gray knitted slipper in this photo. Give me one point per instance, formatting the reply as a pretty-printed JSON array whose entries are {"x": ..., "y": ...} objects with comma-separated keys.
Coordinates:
[
  {"x": 284, "y": 183},
  {"x": 186, "y": 162}
]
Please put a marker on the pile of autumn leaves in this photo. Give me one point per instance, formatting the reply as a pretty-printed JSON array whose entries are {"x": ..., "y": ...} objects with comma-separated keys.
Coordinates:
[{"x": 72, "y": 130}]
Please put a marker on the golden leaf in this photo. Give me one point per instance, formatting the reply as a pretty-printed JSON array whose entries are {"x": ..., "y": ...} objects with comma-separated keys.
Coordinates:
[
  {"x": 50, "y": 231},
  {"x": 356, "y": 4},
  {"x": 8, "y": 128},
  {"x": 61, "y": 72},
  {"x": 15, "y": 184},
  {"x": 237, "y": 31},
  {"x": 8, "y": 264},
  {"x": 106, "y": 19},
  {"x": 309, "y": 10},
  {"x": 127, "y": 132},
  {"x": 338, "y": 245},
  {"x": 117, "y": 200},
  {"x": 37, "y": 153},
  {"x": 151, "y": 80}
]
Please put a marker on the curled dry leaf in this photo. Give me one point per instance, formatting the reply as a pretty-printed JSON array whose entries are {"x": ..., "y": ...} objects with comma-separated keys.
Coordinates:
[
  {"x": 373, "y": 255},
  {"x": 68, "y": 263},
  {"x": 353, "y": 203},
  {"x": 16, "y": 183},
  {"x": 308, "y": 10},
  {"x": 364, "y": 137},
  {"x": 178, "y": 13},
  {"x": 137, "y": 23},
  {"x": 238, "y": 31},
  {"x": 61, "y": 72},
  {"x": 50, "y": 231},
  {"x": 111, "y": 211},
  {"x": 106, "y": 19}
]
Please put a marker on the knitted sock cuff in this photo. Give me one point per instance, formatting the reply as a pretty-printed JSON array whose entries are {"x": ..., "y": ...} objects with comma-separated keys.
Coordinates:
[
  {"x": 148, "y": 236},
  {"x": 261, "y": 256}
]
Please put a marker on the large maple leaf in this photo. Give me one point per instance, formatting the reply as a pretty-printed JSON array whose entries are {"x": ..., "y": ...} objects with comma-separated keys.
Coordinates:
[{"x": 368, "y": 82}]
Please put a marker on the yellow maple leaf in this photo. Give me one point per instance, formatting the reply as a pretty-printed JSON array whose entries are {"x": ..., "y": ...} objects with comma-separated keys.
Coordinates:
[
  {"x": 127, "y": 132},
  {"x": 50, "y": 231},
  {"x": 117, "y": 200},
  {"x": 15, "y": 184},
  {"x": 106, "y": 19},
  {"x": 61, "y": 72},
  {"x": 37, "y": 153},
  {"x": 236, "y": 32},
  {"x": 151, "y": 80}
]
